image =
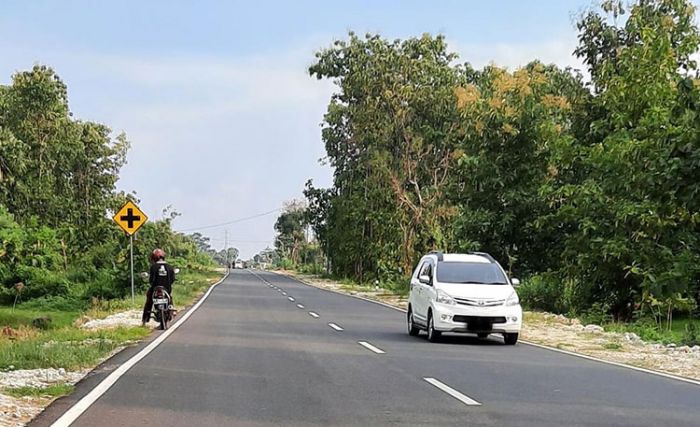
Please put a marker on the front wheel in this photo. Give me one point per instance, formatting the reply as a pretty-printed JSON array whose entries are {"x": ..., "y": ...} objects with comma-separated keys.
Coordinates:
[
  {"x": 163, "y": 319},
  {"x": 433, "y": 335},
  {"x": 412, "y": 329},
  {"x": 510, "y": 338}
]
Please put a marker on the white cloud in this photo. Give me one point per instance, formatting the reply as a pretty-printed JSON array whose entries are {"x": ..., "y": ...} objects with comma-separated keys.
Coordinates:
[{"x": 513, "y": 55}]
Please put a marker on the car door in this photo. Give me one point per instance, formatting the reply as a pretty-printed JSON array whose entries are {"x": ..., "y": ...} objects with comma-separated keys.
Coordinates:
[
  {"x": 428, "y": 289},
  {"x": 415, "y": 292},
  {"x": 422, "y": 300}
]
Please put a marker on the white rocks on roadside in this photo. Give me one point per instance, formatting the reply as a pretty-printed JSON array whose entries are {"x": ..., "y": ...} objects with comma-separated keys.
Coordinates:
[
  {"x": 38, "y": 377},
  {"x": 124, "y": 318},
  {"x": 576, "y": 327},
  {"x": 633, "y": 338},
  {"x": 593, "y": 329},
  {"x": 17, "y": 412}
]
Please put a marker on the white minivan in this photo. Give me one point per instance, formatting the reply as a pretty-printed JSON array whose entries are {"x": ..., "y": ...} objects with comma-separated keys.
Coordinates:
[{"x": 463, "y": 293}]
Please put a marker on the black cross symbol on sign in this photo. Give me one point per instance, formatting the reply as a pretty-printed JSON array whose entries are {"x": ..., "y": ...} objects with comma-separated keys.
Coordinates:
[{"x": 130, "y": 218}]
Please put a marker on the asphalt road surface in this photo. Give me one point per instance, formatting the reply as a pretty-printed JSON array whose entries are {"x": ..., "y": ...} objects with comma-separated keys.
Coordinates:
[{"x": 267, "y": 350}]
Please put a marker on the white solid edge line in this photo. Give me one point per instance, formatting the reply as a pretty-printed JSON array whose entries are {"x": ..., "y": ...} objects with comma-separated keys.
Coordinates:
[
  {"x": 621, "y": 365},
  {"x": 83, "y": 404},
  {"x": 300, "y": 306},
  {"x": 291, "y": 299},
  {"x": 544, "y": 347},
  {"x": 370, "y": 347},
  {"x": 314, "y": 315},
  {"x": 336, "y": 327},
  {"x": 452, "y": 392}
]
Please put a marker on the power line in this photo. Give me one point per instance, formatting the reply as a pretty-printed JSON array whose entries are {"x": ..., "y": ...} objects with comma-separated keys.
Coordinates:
[
  {"x": 231, "y": 222},
  {"x": 220, "y": 240}
]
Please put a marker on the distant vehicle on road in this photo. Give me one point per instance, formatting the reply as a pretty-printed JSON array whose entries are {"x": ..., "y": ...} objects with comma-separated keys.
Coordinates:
[
  {"x": 239, "y": 264},
  {"x": 463, "y": 293}
]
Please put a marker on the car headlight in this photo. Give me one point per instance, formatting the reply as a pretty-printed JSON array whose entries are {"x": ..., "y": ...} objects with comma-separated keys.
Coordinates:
[
  {"x": 444, "y": 298},
  {"x": 513, "y": 299}
]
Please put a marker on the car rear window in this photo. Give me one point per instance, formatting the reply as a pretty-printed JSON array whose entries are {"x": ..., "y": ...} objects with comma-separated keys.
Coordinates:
[{"x": 470, "y": 272}]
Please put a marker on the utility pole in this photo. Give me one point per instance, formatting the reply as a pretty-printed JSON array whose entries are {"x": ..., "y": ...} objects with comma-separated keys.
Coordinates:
[{"x": 226, "y": 248}]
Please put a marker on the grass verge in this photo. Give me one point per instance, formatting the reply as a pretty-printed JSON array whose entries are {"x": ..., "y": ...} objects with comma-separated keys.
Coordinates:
[
  {"x": 50, "y": 392},
  {"x": 684, "y": 331},
  {"x": 61, "y": 344}
]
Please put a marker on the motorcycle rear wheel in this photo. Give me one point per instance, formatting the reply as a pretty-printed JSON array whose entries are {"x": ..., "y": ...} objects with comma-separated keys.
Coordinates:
[{"x": 163, "y": 320}]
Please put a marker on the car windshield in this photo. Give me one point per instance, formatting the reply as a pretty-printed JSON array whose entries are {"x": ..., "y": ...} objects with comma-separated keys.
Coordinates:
[{"x": 470, "y": 272}]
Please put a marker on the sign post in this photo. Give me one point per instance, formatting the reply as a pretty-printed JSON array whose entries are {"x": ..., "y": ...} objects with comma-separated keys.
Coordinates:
[
  {"x": 131, "y": 256},
  {"x": 130, "y": 218}
]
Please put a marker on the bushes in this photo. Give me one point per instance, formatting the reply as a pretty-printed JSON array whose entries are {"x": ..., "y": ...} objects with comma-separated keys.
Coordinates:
[
  {"x": 541, "y": 292},
  {"x": 691, "y": 335},
  {"x": 31, "y": 254}
]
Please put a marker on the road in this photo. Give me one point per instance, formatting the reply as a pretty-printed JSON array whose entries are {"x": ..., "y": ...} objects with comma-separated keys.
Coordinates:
[{"x": 260, "y": 351}]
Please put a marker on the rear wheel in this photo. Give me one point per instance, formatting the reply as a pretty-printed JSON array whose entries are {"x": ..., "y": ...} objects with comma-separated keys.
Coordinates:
[
  {"x": 433, "y": 335},
  {"x": 412, "y": 329},
  {"x": 163, "y": 319},
  {"x": 510, "y": 339}
]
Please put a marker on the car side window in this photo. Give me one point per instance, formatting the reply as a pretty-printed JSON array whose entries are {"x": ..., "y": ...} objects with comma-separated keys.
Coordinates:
[
  {"x": 427, "y": 270},
  {"x": 419, "y": 270}
]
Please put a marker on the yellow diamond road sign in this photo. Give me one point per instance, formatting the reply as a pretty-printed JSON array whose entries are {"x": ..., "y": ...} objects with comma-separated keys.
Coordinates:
[{"x": 130, "y": 218}]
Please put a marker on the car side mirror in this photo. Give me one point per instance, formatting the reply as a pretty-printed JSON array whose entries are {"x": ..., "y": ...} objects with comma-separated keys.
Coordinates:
[
  {"x": 424, "y": 279},
  {"x": 515, "y": 282}
]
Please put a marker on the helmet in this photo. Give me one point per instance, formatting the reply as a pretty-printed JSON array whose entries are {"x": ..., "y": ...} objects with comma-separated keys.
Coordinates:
[{"x": 157, "y": 254}]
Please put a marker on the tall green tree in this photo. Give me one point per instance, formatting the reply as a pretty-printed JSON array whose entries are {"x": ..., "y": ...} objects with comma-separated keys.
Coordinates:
[
  {"x": 52, "y": 166},
  {"x": 634, "y": 215},
  {"x": 389, "y": 134}
]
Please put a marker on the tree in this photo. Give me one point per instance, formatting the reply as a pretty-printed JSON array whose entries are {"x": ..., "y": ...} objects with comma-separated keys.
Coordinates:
[
  {"x": 57, "y": 192},
  {"x": 290, "y": 227},
  {"x": 633, "y": 216},
  {"x": 52, "y": 166},
  {"x": 590, "y": 187},
  {"x": 389, "y": 134}
]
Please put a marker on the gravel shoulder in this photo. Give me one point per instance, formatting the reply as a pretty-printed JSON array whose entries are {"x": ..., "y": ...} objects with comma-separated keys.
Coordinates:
[{"x": 562, "y": 333}]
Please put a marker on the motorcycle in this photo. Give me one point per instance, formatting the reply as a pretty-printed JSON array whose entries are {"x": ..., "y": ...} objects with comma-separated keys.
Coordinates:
[{"x": 162, "y": 310}]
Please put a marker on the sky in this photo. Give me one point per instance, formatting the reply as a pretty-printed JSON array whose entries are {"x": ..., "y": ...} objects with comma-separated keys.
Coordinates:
[{"x": 215, "y": 96}]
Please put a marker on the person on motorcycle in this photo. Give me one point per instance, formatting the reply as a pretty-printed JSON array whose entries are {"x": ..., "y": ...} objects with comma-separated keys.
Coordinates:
[{"x": 161, "y": 274}]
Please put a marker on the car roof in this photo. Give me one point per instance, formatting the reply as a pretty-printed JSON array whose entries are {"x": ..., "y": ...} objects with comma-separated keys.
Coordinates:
[{"x": 481, "y": 259}]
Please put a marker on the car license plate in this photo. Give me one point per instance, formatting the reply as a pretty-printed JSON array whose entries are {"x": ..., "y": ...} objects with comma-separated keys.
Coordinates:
[{"x": 160, "y": 301}]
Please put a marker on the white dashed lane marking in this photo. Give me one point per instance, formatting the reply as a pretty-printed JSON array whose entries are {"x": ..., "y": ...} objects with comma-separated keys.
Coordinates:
[
  {"x": 336, "y": 327},
  {"x": 314, "y": 315},
  {"x": 291, "y": 299},
  {"x": 452, "y": 392},
  {"x": 370, "y": 347},
  {"x": 300, "y": 306}
]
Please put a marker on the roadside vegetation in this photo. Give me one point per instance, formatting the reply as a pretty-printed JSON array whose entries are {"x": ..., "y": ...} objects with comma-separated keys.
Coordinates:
[
  {"x": 66, "y": 345},
  {"x": 52, "y": 391},
  {"x": 583, "y": 183},
  {"x": 62, "y": 260}
]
